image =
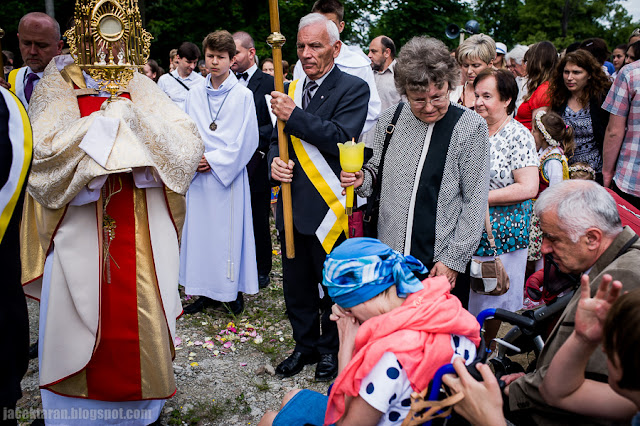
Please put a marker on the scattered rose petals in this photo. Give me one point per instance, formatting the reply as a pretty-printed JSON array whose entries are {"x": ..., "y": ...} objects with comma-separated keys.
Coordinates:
[
  {"x": 197, "y": 343},
  {"x": 227, "y": 345},
  {"x": 189, "y": 343},
  {"x": 194, "y": 364},
  {"x": 192, "y": 354},
  {"x": 243, "y": 364},
  {"x": 257, "y": 340},
  {"x": 216, "y": 352},
  {"x": 177, "y": 341},
  {"x": 204, "y": 323},
  {"x": 282, "y": 339}
]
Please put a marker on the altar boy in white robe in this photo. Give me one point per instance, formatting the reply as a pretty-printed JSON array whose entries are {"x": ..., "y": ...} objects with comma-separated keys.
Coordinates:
[{"x": 217, "y": 256}]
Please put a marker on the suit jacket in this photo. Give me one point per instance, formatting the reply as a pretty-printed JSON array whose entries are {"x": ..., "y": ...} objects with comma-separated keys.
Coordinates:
[
  {"x": 524, "y": 393},
  {"x": 336, "y": 113},
  {"x": 261, "y": 84}
]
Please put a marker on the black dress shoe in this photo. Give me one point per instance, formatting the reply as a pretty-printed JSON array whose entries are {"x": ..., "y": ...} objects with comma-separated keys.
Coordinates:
[
  {"x": 199, "y": 305},
  {"x": 295, "y": 363},
  {"x": 33, "y": 351},
  {"x": 263, "y": 281},
  {"x": 327, "y": 368},
  {"x": 237, "y": 306}
]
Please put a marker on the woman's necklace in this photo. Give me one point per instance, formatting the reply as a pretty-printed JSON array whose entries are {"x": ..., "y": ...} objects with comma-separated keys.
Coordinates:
[
  {"x": 213, "y": 126},
  {"x": 501, "y": 127}
]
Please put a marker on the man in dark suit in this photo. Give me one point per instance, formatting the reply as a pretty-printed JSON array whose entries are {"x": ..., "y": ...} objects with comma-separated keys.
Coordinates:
[
  {"x": 261, "y": 84},
  {"x": 328, "y": 107}
]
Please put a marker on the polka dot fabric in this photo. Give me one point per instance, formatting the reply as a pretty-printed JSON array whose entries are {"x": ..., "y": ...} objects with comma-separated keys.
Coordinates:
[{"x": 387, "y": 388}]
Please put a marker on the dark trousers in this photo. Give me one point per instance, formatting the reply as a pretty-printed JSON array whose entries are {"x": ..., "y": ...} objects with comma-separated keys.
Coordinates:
[
  {"x": 635, "y": 201},
  {"x": 14, "y": 318},
  {"x": 260, "y": 208},
  {"x": 309, "y": 314}
]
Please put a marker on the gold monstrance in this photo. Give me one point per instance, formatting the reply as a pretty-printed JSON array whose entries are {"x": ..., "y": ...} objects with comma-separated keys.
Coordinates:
[{"x": 108, "y": 41}]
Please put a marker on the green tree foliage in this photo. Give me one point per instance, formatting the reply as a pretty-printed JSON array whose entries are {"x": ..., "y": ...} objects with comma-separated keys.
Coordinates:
[
  {"x": 565, "y": 21},
  {"x": 510, "y": 21},
  {"x": 403, "y": 19},
  {"x": 173, "y": 21},
  {"x": 499, "y": 19}
]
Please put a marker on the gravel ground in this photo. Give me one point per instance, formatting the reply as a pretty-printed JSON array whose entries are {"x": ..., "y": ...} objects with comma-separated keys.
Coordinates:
[{"x": 224, "y": 365}]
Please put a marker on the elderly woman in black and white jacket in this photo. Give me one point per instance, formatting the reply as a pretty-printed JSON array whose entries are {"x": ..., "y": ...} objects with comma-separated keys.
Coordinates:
[{"x": 434, "y": 180}]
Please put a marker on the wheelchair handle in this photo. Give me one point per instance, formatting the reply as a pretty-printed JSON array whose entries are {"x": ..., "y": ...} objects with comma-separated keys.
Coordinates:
[{"x": 521, "y": 321}]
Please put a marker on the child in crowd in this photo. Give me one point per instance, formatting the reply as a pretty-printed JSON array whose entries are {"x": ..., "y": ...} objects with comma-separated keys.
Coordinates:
[
  {"x": 554, "y": 141},
  {"x": 217, "y": 255},
  {"x": 581, "y": 171}
]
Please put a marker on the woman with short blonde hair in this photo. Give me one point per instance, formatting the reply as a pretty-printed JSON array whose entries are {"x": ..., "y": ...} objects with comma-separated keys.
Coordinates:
[{"x": 475, "y": 54}]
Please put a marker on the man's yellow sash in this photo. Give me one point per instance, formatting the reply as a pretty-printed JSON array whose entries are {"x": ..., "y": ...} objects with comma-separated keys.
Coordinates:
[
  {"x": 12, "y": 79},
  {"x": 21, "y": 138},
  {"x": 326, "y": 183}
]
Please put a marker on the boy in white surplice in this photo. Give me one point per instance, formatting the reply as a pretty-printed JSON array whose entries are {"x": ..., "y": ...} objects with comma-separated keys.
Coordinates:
[{"x": 217, "y": 256}]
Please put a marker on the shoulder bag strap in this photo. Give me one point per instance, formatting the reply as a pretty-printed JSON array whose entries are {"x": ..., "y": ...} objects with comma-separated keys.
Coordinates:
[
  {"x": 181, "y": 83},
  {"x": 624, "y": 248},
  {"x": 378, "y": 176},
  {"x": 487, "y": 227}
]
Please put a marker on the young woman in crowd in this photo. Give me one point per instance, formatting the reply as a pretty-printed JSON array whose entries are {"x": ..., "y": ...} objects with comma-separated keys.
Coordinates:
[
  {"x": 152, "y": 70},
  {"x": 633, "y": 53},
  {"x": 513, "y": 182},
  {"x": 541, "y": 59},
  {"x": 618, "y": 58},
  {"x": 577, "y": 89}
]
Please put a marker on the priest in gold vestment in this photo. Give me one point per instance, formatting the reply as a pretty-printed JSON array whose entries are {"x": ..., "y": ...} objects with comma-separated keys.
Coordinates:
[{"x": 100, "y": 236}]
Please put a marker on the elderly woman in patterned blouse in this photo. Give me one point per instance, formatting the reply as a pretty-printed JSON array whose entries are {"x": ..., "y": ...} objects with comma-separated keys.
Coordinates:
[
  {"x": 513, "y": 182},
  {"x": 435, "y": 176}
]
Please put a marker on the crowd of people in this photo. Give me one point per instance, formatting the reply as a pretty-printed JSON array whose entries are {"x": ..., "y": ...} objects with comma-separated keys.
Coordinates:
[{"x": 473, "y": 155}]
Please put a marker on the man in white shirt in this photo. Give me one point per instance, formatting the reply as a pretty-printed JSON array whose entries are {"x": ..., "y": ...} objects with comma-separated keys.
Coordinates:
[
  {"x": 382, "y": 53},
  {"x": 39, "y": 41},
  {"x": 178, "y": 82},
  {"x": 351, "y": 60}
]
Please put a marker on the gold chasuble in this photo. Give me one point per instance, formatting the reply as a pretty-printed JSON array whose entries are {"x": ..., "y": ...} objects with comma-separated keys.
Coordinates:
[{"x": 111, "y": 264}]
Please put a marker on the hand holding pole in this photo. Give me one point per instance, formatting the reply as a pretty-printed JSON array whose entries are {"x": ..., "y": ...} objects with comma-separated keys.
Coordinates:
[{"x": 276, "y": 40}]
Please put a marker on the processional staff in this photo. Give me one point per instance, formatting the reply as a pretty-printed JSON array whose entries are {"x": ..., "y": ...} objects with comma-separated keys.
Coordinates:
[
  {"x": 276, "y": 40},
  {"x": 1, "y": 61}
]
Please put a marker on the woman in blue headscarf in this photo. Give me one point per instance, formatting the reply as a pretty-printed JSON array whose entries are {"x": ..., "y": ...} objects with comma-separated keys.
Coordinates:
[{"x": 395, "y": 332}]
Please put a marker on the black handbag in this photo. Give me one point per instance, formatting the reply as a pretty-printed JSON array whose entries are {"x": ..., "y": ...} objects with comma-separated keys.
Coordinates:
[{"x": 371, "y": 210}]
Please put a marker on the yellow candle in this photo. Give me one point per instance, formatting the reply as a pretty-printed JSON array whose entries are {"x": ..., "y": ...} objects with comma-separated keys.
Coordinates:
[{"x": 351, "y": 160}]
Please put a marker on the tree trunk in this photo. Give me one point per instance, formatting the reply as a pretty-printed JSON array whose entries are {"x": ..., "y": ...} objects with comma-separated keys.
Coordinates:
[
  {"x": 566, "y": 10},
  {"x": 48, "y": 7}
]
